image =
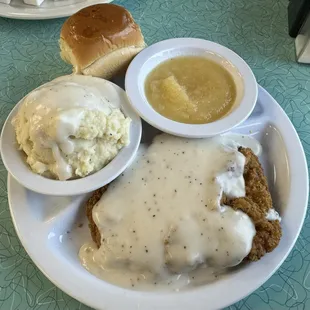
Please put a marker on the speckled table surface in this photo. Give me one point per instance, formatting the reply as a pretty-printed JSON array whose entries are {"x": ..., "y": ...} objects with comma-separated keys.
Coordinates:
[{"x": 256, "y": 30}]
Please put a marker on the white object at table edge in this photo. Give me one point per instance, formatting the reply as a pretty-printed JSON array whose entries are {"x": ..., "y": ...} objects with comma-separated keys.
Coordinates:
[{"x": 48, "y": 10}]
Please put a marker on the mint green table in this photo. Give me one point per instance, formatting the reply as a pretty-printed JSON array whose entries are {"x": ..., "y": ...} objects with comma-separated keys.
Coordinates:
[{"x": 256, "y": 30}]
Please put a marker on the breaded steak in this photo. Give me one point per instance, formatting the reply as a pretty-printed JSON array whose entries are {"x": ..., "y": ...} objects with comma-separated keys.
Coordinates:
[
  {"x": 95, "y": 197},
  {"x": 255, "y": 204}
]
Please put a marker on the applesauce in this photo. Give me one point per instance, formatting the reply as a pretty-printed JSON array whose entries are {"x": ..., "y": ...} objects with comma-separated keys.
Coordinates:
[{"x": 191, "y": 89}]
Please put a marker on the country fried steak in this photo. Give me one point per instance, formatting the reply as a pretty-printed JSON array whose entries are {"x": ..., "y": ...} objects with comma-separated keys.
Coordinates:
[
  {"x": 255, "y": 204},
  {"x": 95, "y": 197}
]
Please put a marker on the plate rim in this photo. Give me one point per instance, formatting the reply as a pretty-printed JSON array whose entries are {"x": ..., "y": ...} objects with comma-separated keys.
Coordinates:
[
  {"x": 43, "y": 14},
  {"x": 230, "y": 300}
]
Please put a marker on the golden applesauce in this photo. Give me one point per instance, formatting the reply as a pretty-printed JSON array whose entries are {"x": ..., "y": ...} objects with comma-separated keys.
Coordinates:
[{"x": 191, "y": 89}]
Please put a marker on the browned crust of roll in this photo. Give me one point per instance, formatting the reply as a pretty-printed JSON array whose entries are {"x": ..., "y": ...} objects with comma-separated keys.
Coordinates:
[{"x": 96, "y": 31}]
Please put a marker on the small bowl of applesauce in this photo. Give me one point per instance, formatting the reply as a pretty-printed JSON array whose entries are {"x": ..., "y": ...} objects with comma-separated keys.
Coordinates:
[{"x": 191, "y": 87}]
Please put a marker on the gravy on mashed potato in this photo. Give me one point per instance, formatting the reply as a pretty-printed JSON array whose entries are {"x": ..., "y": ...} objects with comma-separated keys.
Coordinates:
[
  {"x": 191, "y": 89},
  {"x": 71, "y": 127},
  {"x": 162, "y": 223}
]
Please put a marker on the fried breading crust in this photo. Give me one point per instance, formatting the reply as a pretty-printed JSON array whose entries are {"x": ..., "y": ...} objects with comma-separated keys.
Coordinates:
[
  {"x": 92, "y": 201},
  {"x": 255, "y": 204}
]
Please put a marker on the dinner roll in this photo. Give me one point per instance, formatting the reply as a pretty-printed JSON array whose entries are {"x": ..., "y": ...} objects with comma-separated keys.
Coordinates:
[{"x": 100, "y": 40}]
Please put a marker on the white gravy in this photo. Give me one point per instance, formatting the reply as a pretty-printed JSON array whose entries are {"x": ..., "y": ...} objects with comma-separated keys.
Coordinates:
[
  {"x": 161, "y": 221},
  {"x": 273, "y": 215}
]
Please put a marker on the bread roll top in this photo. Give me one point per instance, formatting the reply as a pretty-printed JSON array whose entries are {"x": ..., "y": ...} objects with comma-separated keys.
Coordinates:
[{"x": 97, "y": 31}]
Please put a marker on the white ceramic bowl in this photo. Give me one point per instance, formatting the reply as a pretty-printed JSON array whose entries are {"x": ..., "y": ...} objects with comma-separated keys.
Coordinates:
[
  {"x": 14, "y": 160},
  {"x": 152, "y": 56}
]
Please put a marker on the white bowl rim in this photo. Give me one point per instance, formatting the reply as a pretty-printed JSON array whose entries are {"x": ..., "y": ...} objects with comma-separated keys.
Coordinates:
[
  {"x": 144, "y": 109},
  {"x": 18, "y": 168}
]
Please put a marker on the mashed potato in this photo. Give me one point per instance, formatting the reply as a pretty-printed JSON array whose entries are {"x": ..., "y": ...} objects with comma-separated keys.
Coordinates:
[{"x": 70, "y": 127}]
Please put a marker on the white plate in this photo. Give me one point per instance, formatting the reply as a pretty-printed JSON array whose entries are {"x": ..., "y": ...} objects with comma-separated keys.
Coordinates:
[
  {"x": 49, "y": 8},
  {"x": 42, "y": 223}
]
